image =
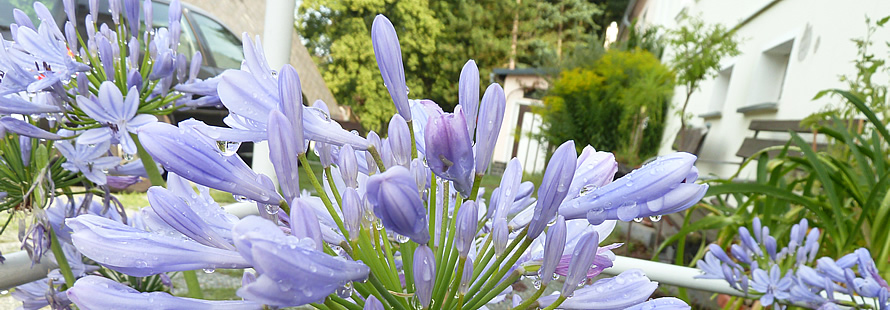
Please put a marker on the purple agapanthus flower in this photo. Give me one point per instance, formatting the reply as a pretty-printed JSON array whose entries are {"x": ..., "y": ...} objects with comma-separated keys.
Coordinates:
[
  {"x": 111, "y": 244},
  {"x": 290, "y": 274},
  {"x": 47, "y": 54},
  {"x": 624, "y": 290},
  {"x": 94, "y": 292},
  {"x": 116, "y": 114},
  {"x": 773, "y": 285},
  {"x": 87, "y": 159}
]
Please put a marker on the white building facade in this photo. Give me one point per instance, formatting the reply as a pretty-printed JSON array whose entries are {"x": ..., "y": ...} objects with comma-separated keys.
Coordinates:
[{"x": 790, "y": 50}]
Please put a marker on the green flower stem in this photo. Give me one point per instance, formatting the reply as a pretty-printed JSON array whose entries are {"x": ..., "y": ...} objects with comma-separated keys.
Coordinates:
[
  {"x": 556, "y": 303},
  {"x": 497, "y": 290},
  {"x": 529, "y": 301},
  {"x": 317, "y": 306},
  {"x": 455, "y": 284},
  {"x": 381, "y": 252},
  {"x": 477, "y": 181},
  {"x": 322, "y": 194},
  {"x": 485, "y": 258},
  {"x": 442, "y": 229},
  {"x": 365, "y": 248},
  {"x": 331, "y": 183},
  {"x": 407, "y": 250},
  {"x": 393, "y": 302},
  {"x": 387, "y": 251},
  {"x": 345, "y": 303},
  {"x": 449, "y": 259},
  {"x": 376, "y": 156},
  {"x": 332, "y": 305},
  {"x": 431, "y": 210},
  {"x": 154, "y": 175},
  {"x": 413, "y": 141},
  {"x": 491, "y": 281},
  {"x": 62, "y": 261}
]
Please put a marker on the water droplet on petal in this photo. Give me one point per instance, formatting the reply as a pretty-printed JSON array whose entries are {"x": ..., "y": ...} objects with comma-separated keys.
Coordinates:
[
  {"x": 228, "y": 148},
  {"x": 209, "y": 270},
  {"x": 655, "y": 218}
]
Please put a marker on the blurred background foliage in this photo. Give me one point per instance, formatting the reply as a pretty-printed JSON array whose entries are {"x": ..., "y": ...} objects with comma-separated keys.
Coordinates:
[
  {"x": 438, "y": 37},
  {"x": 616, "y": 104}
]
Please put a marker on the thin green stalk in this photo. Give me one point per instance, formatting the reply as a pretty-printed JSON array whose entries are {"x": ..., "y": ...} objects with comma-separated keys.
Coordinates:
[
  {"x": 333, "y": 305},
  {"x": 528, "y": 301},
  {"x": 154, "y": 175},
  {"x": 477, "y": 181},
  {"x": 505, "y": 267},
  {"x": 444, "y": 227},
  {"x": 377, "y": 158},
  {"x": 331, "y": 183},
  {"x": 432, "y": 209},
  {"x": 450, "y": 258},
  {"x": 347, "y": 304},
  {"x": 387, "y": 251},
  {"x": 407, "y": 250},
  {"x": 61, "y": 260},
  {"x": 321, "y": 193},
  {"x": 364, "y": 251},
  {"x": 485, "y": 258},
  {"x": 413, "y": 143},
  {"x": 455, "y": 284},
  {"x": 386, "y": 295},
  {"x": 556, "y": 303},
  {"x": 497, "y": 290}
]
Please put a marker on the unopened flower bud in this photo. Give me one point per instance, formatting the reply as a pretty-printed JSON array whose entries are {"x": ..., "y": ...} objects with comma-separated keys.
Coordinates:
[
  {"x": 394, "y": 197},
  {"x": 424, "y": 274},
  {"x": 466, "y": 227},
  {"x": 554, "y": 246}
]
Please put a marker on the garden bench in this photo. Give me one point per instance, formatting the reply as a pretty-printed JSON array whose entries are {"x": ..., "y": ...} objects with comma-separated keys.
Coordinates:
[{"x": 754, "y": 144}]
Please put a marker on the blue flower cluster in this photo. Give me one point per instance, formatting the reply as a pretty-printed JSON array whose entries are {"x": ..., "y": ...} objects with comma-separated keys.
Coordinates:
[
  {"x": 785, "y": 276},
  {"x": 406, "y": 227}
]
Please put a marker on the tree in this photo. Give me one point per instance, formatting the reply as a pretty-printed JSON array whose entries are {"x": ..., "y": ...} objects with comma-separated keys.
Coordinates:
[
  {"x": 698, "y": 48},
  {"x": 339, "y": 35},
  {"x": 615, "y": 104}
]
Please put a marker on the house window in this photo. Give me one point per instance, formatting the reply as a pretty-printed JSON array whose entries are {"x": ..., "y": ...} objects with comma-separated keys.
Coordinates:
[
  {"x": 770, "y": 74},
  {"x": 721, "y": 87}
]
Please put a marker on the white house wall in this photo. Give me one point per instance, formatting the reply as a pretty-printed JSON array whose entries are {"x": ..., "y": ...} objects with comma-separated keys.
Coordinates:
[
  {"x": 514, "y": 86},
  {"x": 829, "y": 54}
]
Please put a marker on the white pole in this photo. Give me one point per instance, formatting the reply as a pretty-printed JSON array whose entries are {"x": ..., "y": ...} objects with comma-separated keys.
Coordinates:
[
  {"x": 278, "y": 31},
  {"x": 17, "y": 269},
  {"x": 672, "y": 275}
]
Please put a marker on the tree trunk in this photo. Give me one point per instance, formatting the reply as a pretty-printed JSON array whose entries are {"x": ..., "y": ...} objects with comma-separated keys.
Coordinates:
[{"x": 515, "y": 34}]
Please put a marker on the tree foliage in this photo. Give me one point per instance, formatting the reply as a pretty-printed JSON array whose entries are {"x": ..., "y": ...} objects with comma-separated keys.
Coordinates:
[
  {"x": 697, "y": 49},
  {"x": 616, "y": 104},
  {"x": 437, "y": 38}
]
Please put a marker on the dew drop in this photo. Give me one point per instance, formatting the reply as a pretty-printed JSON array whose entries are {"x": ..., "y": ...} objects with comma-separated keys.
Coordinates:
[
  {"x": 240, "y": 198},
  {"x": 537, "y": 283},
  {"x": 655, "y": 218},
  {"x": 638, "y": 219},
  {"x": 628, "y": 211},
  {"x": 4, "y": 292},
  {"x": 228, "y": 148},
  {"x": 587, "y": 189},
  {"x": 209, "y": 270}
]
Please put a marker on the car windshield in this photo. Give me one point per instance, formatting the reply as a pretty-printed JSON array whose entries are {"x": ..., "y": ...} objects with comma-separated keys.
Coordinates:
[{"x": 6, "y": 8}]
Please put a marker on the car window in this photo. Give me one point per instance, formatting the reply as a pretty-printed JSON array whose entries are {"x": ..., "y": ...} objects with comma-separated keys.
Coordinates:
[
  {"x": 6, "y": 8},
  {"x": 225, "y": 47}
]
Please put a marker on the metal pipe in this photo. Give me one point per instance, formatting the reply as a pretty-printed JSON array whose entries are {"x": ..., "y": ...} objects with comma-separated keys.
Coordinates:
[
  {"x": 672, "y": 275},
  {"x": 17, "y": 270}
]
